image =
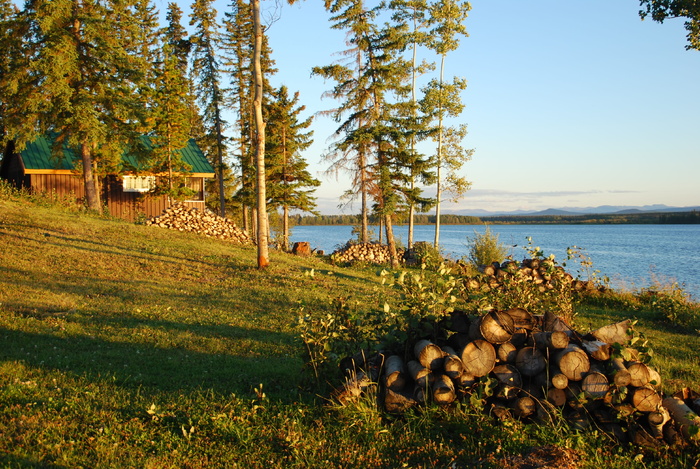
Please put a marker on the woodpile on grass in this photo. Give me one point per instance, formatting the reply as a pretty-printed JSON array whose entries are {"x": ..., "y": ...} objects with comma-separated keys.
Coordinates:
[
  {"x": 369, "y": 253},
  {"x": 533, "y": 368},
  {"x": 182, "y": 218},
  {"x": 544, "y": 273}
]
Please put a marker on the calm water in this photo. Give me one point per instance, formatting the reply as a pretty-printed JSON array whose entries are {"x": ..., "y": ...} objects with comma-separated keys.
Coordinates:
[{"x": 632, "y": 256}]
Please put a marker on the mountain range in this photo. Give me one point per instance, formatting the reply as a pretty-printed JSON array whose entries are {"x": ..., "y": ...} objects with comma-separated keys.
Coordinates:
[{"x": 602, "y": 209}]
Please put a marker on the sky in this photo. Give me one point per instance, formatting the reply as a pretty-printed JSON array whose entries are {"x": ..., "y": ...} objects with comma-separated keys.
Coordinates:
[{"x": 570, "y": 103}]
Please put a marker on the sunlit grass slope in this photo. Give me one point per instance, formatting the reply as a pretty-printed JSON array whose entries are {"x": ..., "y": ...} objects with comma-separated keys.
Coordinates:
[{"x": 123, "y": 345}]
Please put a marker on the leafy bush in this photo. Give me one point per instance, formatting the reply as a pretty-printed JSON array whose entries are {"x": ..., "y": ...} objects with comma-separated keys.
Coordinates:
[{"x": 485, "y": 248}]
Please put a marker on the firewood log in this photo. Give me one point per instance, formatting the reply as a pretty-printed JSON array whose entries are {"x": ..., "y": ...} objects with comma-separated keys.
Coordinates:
[
  {"x": 479, "y": 358},
  {"x": 466, "y": 380},
  {"x": 506, "y": 353},
  {"x": 524, "y": 407},
  {"x": 614, "y": 333},
  {"x": 595, "y": 385},
  {"x": 597, "y": 349},
  {"x": 556, "y": 396},
  {"x": 551, "y": 339},
  {"x": 519, "y": 337},
  {"x": 443, "y": 390},
  {"x": 552, "y": 322},
  {"x": 394, "y": 373},
  {"x": 508, "y": 375},
  {"x": 522, "y": 319},
  {"x": 654, "y": 378},
  {"x": 452, "y": 364},
  {"x": 530, "y": 361},
  {"x": 639, "y": 374},
  {"x": 657, "y": 419},
  {"x": 420, "y": 374},
  {"x": 573, "y": 362},
  {"x": 557, "y": 378},
  {"x": 620, "y": 374},
  {"x": 428, "y": 354},
  {"x": 646, "y": 399},
  {"x": 687, "y": 422},
  {"x": 496, "y": 327}
]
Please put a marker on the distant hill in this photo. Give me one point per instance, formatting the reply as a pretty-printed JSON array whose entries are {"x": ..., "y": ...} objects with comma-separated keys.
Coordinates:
[{"x": 570, "y": 211}]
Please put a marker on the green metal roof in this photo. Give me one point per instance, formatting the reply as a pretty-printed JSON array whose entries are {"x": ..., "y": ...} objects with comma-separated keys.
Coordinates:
[{"x": 38, "y": 155}]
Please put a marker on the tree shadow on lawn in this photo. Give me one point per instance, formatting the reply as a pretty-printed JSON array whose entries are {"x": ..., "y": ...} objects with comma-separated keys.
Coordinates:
[{"x": 167, "y": 369}]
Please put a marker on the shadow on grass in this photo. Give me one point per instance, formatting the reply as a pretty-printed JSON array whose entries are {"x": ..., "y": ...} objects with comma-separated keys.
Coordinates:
[{"x": 168, "y": 369}]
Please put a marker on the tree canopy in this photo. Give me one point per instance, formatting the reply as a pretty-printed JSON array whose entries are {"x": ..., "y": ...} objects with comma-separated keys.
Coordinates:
[{"x": 660, "y": 10}]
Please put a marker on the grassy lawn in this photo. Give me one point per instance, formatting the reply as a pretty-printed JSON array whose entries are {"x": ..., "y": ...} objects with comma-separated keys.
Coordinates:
[{"x": 132, "y": 346}]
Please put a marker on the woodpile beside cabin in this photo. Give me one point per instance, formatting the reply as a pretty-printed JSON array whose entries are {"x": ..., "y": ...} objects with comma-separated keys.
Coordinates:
[{"x": 125, "y": 193}]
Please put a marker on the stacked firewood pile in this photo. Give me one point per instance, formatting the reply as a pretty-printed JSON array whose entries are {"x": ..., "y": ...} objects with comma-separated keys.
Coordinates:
[
  {"x": 531, "y": 368},
  {"x": 182, "y": 218},
  {"x": 542, "y": 272},
  {"x": 364, "y": 252}
]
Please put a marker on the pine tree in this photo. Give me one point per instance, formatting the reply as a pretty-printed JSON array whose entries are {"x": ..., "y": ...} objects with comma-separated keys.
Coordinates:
[
  {"x": 86, "y": 75},
  {"x": 206, "y": 42},
  {"x": 289, "y": 183}
]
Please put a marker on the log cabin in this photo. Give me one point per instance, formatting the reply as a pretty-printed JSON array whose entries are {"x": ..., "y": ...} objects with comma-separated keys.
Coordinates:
[{"x": 126, "y": 194}]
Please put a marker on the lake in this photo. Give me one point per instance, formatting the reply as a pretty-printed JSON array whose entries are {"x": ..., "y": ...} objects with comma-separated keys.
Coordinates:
[{"x": 632, "y": 256}]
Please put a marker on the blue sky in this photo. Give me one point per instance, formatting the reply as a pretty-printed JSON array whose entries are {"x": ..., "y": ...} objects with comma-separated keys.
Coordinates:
[{"x": 570, "y": 103}]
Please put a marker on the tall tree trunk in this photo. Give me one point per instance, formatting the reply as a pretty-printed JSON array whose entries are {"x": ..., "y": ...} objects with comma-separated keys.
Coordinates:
[
  {"x": 244, "y": 210},
  {"x": 390, "y": 241},
  {"x": 438, "y": 194},
  {"x": 91, "y": 195},
  {"x": 364, "y": 222},
  {"x": 220, "y": 162},
  {"x": 412, "y": 204},
  {"x": 262, "y": 237},
  {"x": 285, "y": 227}
]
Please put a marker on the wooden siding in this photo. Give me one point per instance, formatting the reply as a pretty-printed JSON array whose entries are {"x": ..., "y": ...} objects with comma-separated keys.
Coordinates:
[
  {"x": 58, "y": 185},
  {"x": 132, "y": 205},
  {"x": 127, "y": 205}
]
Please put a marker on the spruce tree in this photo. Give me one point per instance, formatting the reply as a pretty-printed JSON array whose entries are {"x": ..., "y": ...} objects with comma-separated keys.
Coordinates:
[
  {"x": 289, "y": 183},
  {"x": 206, "y": 42},
  {"x": 379, "y": 74},
  {"x": 346, "y": 154},
  {"x": 238, "y": 48},
  {"x": 86, "y": 76}
]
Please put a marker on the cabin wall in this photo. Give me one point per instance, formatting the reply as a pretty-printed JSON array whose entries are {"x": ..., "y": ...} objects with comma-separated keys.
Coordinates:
[
  {"x": 134, "y": 205},
  {"x": 59, "y": 186},
  {"x": 126, "y": 205}
]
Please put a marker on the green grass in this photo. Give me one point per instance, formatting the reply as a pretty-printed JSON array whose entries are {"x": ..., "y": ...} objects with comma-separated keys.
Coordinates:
[{"x": 124, "y": 345}]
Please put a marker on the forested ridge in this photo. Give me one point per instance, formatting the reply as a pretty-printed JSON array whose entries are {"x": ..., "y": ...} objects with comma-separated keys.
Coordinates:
[{"x": 691, "y": 217}]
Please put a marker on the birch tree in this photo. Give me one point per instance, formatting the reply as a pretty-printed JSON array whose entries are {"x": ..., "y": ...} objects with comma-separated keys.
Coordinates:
[{"x": 443, "y": 99}]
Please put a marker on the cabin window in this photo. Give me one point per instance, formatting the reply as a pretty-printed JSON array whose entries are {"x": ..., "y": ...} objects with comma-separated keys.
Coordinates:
[{"x": 138, "y": 183}]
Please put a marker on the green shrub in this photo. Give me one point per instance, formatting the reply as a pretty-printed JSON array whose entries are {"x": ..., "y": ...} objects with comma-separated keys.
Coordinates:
[{"x": 485, "y": 248}]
